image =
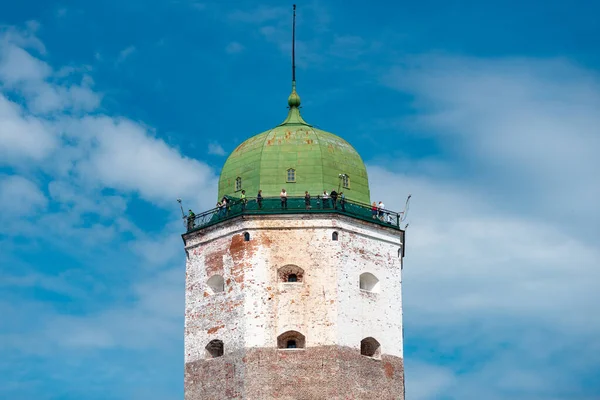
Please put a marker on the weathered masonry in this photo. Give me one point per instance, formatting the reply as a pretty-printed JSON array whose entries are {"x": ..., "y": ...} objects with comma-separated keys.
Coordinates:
[{"x": 290, "y": 296}]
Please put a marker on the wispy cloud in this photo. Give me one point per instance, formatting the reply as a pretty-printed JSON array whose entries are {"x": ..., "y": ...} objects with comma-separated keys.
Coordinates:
[
  {"x": 497, "y": 281},
  {"x": 234, "y": 48},
  {"x": 125, "y": 53},
  {"x": 216, "y": 149}
]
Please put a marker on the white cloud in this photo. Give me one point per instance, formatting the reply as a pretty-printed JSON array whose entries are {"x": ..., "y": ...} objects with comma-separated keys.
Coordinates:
[
  {"x": 501, "y": 254},
  {"x": 530, "y": 125},
  {"x": 19, "y": 197},
  {"x": 23, "y": 136},
  {"x": 18, "y": 66},
  {"x": 98, "y": 150}
]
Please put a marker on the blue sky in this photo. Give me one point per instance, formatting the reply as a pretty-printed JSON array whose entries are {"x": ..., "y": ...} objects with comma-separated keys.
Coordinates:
[{"x": 487, "y": 112}]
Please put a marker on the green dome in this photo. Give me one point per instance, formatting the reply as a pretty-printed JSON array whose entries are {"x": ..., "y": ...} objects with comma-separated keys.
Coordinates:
[{"x": 317, "y": 158}]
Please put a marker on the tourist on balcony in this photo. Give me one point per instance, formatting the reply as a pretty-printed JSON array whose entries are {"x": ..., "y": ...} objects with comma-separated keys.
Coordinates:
[
  {"x": 283, "y": 196},
  {"x": 307, "y": 200},
  {"x": 374, "y": 210},
  {"x": 334, "y": 196},
  {"x": 381, "y": 207},
  {"x": 259, "y": 199},
  {"x": 243, "y": 200},
  {"x": 343, "y": 201},
  {"x": 221, "y": 209},
  {"x": 325, "y": 199},
  {"x": 226, "y": 204},
  {"x": 190, "y": 220}
]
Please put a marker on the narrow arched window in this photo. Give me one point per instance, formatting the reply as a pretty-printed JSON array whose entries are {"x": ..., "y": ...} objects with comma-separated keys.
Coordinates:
[
  {"x": 291, "y": 175},
  {"x": 216, "y": 284},
  {"x": 246, "y": 237},
  {"x": 291, "y": 274},
  {"x": 291, "y": 340},
  {"x": 238, "y": 184},
  {"x": 370, "y": 347},
  {"x": 334, "y": 236},
  {"x": 345, "y": 181},
  {"x": 214, "y": 349},
  {"x": 369, "y": 282}
]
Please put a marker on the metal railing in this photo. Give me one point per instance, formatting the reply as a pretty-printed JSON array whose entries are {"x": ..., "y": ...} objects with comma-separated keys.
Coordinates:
[{"x": 293, "y": 205}]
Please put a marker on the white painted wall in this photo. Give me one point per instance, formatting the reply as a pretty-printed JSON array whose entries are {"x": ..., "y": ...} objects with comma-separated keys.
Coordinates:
[{"x": 328, "y": 307}]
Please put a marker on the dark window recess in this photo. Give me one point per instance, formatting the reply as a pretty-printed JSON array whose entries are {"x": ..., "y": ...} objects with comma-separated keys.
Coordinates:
[
  {"x": 291, "y": 340},
  {"x": 334, "y": 236},
  {"x": 292, "y": 278},
  {"x": 214, "y": 349},
  {"x": 246, "y": 237},
  {"x": 370, "y": 347}
]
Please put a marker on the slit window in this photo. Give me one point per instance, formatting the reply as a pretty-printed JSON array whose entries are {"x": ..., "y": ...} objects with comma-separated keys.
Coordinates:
[
  {"x": 291, "y": 340},
  {"x": 216, "y": 284},
  {"x": 369, "y": 282},
  {"x": 370, "y": 347},
  {"x": 238, "y": 184},
  {"x": 246, "y": 237},
  {"x": 214, "y": 349},
  {"x": 291, "y": 175},
  {"x": 334, "y": 236}
]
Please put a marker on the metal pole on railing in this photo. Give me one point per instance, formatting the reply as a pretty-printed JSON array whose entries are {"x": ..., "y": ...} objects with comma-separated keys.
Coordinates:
[{"x": 182, "y": 213}]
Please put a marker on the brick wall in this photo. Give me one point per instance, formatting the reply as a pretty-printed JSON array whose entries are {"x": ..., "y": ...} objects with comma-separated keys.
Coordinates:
[{"x": 327, "y": 307}]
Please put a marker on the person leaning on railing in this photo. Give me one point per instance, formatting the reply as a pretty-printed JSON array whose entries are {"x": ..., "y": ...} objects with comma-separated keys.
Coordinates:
[
  {"x": 283, "y": 196},
  {"x": 334, "y": 196},
  {"x": 259, "y": 199},
  {"x": 307, "y": 200},
  {"x": 190, "y": 220},
  {"x": 243, "y": 200}
]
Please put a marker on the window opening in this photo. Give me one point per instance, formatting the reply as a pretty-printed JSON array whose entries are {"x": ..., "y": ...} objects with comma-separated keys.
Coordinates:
[
  {"x": 345, "y": 181},
  {"x": 334, "y": 236},
  {"x": 238, "y": 183},
  {"x": 291, "y": 340},
  {"x": 214, "y": 349},
  {"x": 370, "y": 347},
  {"x": 246, "y": 237},
  {"x": 216, "y": 284},
  {"x": 290, "y": 273},
  {"x": 291, "y": 175},
  {"x": 369, "y": 282}
]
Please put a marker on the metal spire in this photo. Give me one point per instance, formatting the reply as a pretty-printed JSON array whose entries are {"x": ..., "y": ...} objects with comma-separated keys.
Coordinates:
[{"x": 294, "y": 46}]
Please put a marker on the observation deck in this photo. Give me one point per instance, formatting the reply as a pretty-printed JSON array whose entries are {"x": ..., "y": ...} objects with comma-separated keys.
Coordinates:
[{"x": 295, "y": 205}]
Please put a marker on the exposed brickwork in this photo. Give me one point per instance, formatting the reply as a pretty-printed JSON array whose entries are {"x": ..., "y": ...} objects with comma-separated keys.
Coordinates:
[
  {"x": 325, "y": 305},
  {"x": 317, "y": 373}
]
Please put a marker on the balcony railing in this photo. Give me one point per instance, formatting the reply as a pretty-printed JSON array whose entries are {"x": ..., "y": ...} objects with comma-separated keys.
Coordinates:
[{"x": 295, "y": 205}]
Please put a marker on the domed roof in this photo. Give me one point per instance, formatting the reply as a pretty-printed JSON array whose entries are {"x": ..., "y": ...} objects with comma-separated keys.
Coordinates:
[{"x": 295, "y": 156}]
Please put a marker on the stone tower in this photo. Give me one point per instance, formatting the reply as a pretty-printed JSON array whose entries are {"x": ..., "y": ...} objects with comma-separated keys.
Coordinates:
[{"x": 295, "y": 300}]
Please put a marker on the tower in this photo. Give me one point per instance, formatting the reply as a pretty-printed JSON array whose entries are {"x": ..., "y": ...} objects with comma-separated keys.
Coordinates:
[{"x": 297, "y": 299}]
